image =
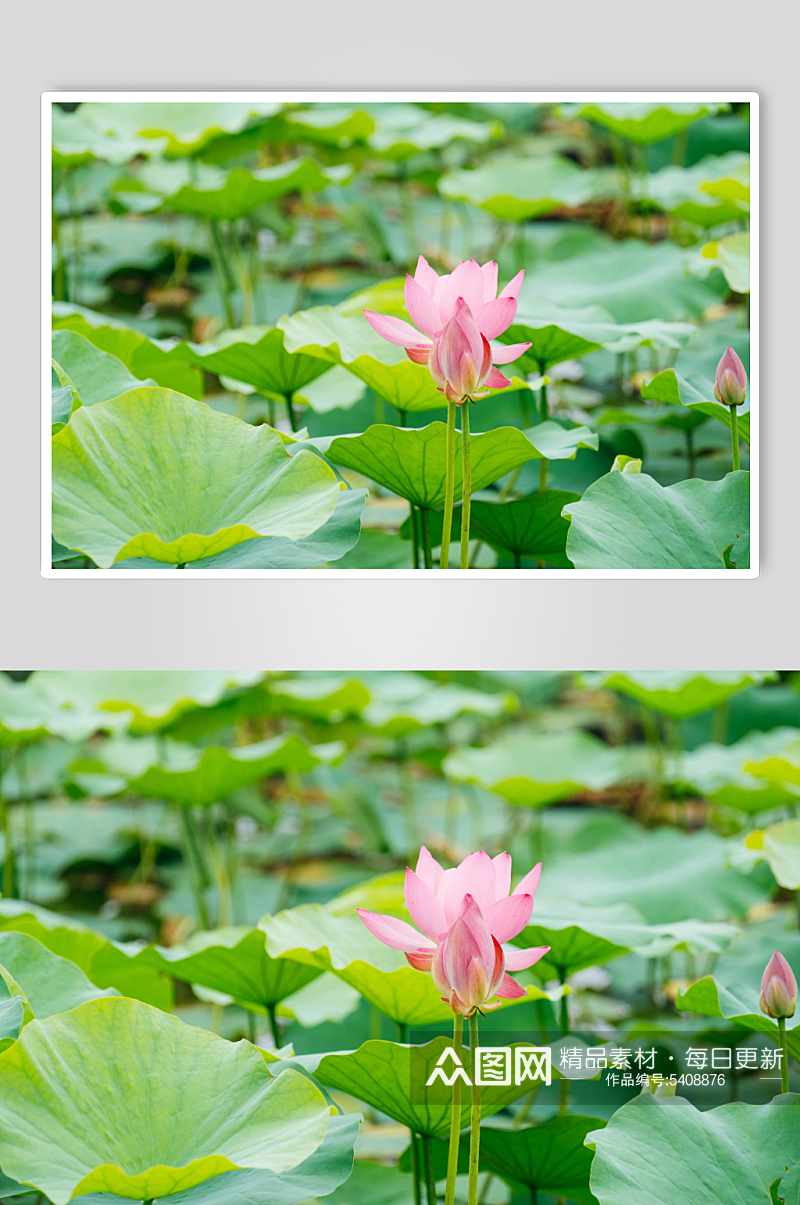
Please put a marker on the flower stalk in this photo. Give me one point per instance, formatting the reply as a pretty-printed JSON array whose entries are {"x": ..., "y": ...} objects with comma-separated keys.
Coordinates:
[
  {"x": 784, "y": 1054},
  {"x": 466, "y": 487},
  {"x": 449, "y": 484},
  {"x": 455, "y": 1115},
  {"x": 474, "y": 1118}
]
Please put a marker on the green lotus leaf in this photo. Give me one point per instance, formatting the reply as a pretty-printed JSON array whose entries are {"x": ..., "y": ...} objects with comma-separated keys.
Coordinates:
[
  {"x": 155, "y": 698},
  {"x": 718, "y": 772},
  {"x": 532, "y": 769},
  {"x": 135, "y": 1134},
  {"x": 78, "y": 138},
  {"x": 15, "y": 1011},
  {"x": 679, "y": 693},
  {"x": 181, "y": 127},
  {"x": 629, "y": 521},
  {"x": 234, "y": 961},
  {"x": 780, "y": 846},
  {"x": 330, "y": 125},
  {"x": 314, "y": 934},
  {"x": 371, "y": 1182},
  {"x": 412, "y": 462},
  {"x": 784, "y": 767},
  {"x": 582, "y": 935},
  {"x": 105, "y": 963},
  {"x": 63, "y": 397},
  {"x": 633, "y": 282},
  {"x": 147, "y": 359},
  {"x": 162, "y": 476},
  {"x": 29, "y": 713},
  {"x": 232, "y": 195},
  {"x": 545, "y": 1158},
  {"x": 352, "y": 343},
  {"x": 516, "y": 188},
  {"x": 644, "y": 122},
  {"x": 738, "y": 1002},
  {"x": 709, "y": 193},
  {"x": 317, "y": 1176},
  {"x": 664, "y": 1151},
  {"x": 404, "y": 130},
  {"x": 94, "y": 374},
  {"x": 532, "y": 526},
  {"x": 558, "y": 333},
  {"x": 319, "y": 697},
  {"x": 51, "y": 984},
  {"x": 181, "y": 773},
  {"x": 382, "y": 1074},
  {"x": 696, "y": 393},
  {"x": 732, "y": 254},
  {"x": 672, "y": 876},
  {"x": 326, "y": 998},
  {"x": 406, "y": 703}
]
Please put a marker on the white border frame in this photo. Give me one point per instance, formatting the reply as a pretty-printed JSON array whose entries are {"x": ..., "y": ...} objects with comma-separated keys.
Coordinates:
[{"x": 49, "y": 98}]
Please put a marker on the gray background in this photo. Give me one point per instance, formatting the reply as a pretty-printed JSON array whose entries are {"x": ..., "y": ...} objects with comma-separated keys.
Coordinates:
[{"x": 381, "y": 44}]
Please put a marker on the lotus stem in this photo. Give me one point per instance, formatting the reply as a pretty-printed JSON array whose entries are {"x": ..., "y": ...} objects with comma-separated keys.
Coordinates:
[
  {"x": 414, "y": 535},
  {"x": 563, "y": 1087},
  {"x": 415, "y": 1169},
  {"x": 426, "y": 537},
  {"x": 290, "y": 411},
  {"x": 784, "y": 1054},
  {"x": 226, "y": 279},
  {"x": 449, "y": 484},
  {"x": 401, "y": 417},
  {"x": 474, "y": 1117},
  {"x": 690, "y": 453},
  {"x": 8, "y": 853},
  {"x": 544, "y": 414},
  {"x": 251, "y": 1025},
  {"x": 273, "y": 1024},
  {"x": 430, "y": 1179},
  {"x": 198, "y": 874},
  {"x": 466, "y": 486},
  {"x": 735, "y": 438},
  {"x": 455, "y": 1116}
]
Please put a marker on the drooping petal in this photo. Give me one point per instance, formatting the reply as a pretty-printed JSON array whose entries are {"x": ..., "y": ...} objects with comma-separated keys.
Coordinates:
[
  {"x": 509, "y": 989},
  {"x": 502, "y": 865},
  {"x": 394, "y": 330},
  {"x": 393, "y": 932},
  {"x": 427, "y": 868},
  {"x": 489, "y": 271},
  {"x": 475, "y": 876},
  {"x": 426, "y": 911},
  {"x": 465, "y": 281},
  {"x": 495, "y": 379},
  {"x": 506, "y": 918},
  {"x": 419, "y": 354},
  {"x": 514, "y": 286},
  {"x": 420, "y": 306},
  {"x": 504, "y": 353},
  {"x": 492, "y": 318},
  {"x": 528, "y": 885},
  {"x": 426, "y": 276},
  {"x": 421, "y": 959},
  {"x": 520, "y": 960},
  {"x": 499, "y": 967}
]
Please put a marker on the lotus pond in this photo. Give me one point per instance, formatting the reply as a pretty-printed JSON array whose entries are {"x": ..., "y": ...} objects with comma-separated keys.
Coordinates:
[
  {"x": 245, "y": 917},
  {"x": 221, "y": 402}
]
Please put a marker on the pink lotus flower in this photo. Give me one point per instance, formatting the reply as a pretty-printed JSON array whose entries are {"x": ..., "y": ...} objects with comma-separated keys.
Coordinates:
[
  {"x": 458, "y": 314},
  {"x": 778, "y": 988},
  {"x": 465, "y": 915},
  {"x": 730, "y": 385}
]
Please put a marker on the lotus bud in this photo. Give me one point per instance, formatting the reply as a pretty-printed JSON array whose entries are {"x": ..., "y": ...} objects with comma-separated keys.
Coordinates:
[
  {"x": 778, "y": 988},
  {"x": 730, "y": 386}
]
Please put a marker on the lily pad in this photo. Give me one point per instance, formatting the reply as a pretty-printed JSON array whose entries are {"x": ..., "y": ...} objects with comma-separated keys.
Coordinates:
[
  {"x": 737, "y": 1003},
  {"x": 154, "y": 472},
  {"x": 664, "y": 1151},
  {"x": 532, "y": 526},
  {"x": 29, "y": 713},
  {"x": 404, "y": 130},
  {"x": 93, "y": 374},
  {"x": 382, "y": 1074},
  {"x": 147, "y": 359},
  {"x": 412, "y": 461},
  {"x": 233, "y": 960},
  {"x": 351, "y": 342},
  {"x": 676, "y": 692},
  {"x": 317, "y": 1176},
  {"x": 405, "y": 703},
  {"x": 696, "y": 393},
  {"x": 557, "y": 333},
  {"x": 256, "y": 356},
  {"x": 629, "y": 521},
  {"x": 154, "y": 698},
  {"x": 709, "y": 193},
  {"x": 718, "y": 772},
  {"x": 550, "y": 1157},
  {"x": 732, "y": 254},
  {"x": 644, "y": 122},
  {"x": 780, "y": 846},
  {"x": 313, "y": 934},
  {"x": 185, "y": 126},
  {"x": 105, "y": 963},
  {"x": 237, "y": 193},
  {"x": 182, "y": 773},
  {"x": 13, "y": 1010},
  {"x": 518, "y": 188},
  {"x": 78, "y": 138},
  {"x": 51, "y": 984},
  {"x": 532, "y": 769},
  {"x": 134, "y": 1134}
]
